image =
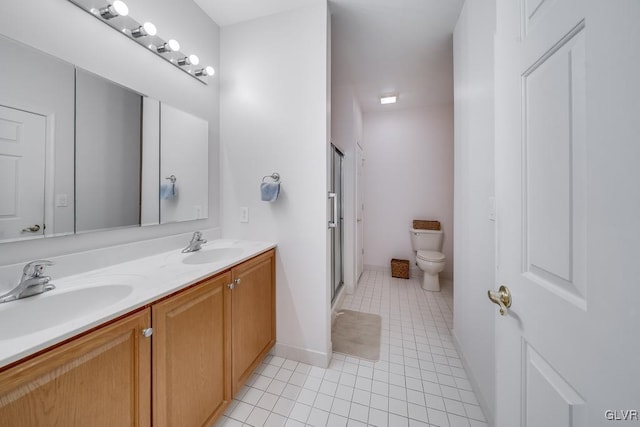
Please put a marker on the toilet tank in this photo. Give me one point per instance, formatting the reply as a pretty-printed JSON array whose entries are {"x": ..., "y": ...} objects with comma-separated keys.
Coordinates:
[{"x": 426, "y": 240}]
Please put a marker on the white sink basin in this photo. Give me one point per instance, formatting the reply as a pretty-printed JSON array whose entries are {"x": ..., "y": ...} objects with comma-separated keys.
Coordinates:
[
  {"x": 210, "y": 255},
  {"x": 53, "y": 308}
]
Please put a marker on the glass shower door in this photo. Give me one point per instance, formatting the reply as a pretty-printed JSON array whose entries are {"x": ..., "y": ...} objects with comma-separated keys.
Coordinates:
[{"x": 335, "y": 198}]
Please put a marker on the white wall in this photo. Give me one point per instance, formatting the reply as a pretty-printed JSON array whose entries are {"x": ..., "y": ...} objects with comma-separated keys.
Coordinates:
[
  {"x": 107, "y": 191},
  {"x": 183, "y": 154},
  {"x": 150, "y": 167},
  {"x": 274, "y": 119},
  {"x": 66, "y": 31},
  {"x": 346, "y": 131},
  {"x": 408, "y": 175},
  {"x": 474, "y": 185}
]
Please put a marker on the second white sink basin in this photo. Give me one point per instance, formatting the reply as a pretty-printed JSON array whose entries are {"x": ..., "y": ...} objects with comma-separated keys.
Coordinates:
[
  {"x": 53, "y": 308},
  {"x": 210, "y": 255}
]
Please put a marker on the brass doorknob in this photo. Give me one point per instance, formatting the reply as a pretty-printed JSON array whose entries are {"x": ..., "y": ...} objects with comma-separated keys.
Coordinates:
[
  {"x": 32, "y": 229},
  {"x": 502, "y": 297}
]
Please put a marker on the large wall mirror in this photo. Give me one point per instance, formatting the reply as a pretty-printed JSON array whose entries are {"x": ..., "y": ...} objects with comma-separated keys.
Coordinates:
[{"x": 79, "y": 153}]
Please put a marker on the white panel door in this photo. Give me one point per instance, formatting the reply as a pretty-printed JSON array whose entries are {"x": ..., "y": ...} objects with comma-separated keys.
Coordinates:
[
  {"x": 22, "y": 154},
  {"x": 567, "y": 179}
]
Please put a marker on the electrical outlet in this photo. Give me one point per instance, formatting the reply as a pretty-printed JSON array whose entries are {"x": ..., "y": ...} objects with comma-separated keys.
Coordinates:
[{"x": 244, "y": 214}]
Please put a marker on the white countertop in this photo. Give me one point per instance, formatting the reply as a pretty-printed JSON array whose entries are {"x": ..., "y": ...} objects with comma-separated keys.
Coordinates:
[{"x": 138, "y": 282}]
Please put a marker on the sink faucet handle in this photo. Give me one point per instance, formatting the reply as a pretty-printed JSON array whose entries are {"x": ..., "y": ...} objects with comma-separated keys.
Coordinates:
[
  {"x": 195, "y": 243},
  {"x": 35, "y": 268}
]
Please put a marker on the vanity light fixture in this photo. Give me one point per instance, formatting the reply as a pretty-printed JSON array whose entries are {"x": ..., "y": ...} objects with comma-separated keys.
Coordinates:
[
  {"x": 189, "y": 60},
  {"x": 118, "y": 8},
  {"x": 170, "y": 46},
  {"x": 208, "y": 71},
  {"x": 146, "y": 29},
  {"x": 115, "y": 14},
  {"x": 388, "y": 99}
]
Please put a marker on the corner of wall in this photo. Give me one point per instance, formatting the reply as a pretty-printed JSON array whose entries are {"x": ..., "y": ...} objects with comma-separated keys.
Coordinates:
[{"x": 487, "y": 409}]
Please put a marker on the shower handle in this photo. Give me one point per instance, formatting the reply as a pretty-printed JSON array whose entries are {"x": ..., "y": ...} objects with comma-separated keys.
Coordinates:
[{"x": 333, "y": 223}]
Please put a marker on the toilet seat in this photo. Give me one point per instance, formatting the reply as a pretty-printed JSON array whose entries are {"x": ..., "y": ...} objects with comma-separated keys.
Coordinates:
[{"x": 432, "y": 256}]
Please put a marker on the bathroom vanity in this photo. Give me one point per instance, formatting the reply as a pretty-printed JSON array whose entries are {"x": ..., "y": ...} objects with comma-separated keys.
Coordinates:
[{"x": 176, "y": 358}]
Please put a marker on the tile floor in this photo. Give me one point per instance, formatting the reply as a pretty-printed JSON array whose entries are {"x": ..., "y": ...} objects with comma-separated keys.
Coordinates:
[{"x": 419, "y": 380}]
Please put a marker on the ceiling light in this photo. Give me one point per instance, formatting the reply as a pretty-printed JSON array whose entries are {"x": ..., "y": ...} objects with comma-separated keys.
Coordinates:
[
  {"x": 388, "y": 99},
  {"x": 118, "y": 8},
  {"x": 146, "y": 29}
]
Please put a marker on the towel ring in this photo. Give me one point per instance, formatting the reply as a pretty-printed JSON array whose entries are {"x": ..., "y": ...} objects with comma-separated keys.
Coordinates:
[
  {"x": 274, "y": 176},
  {"x": 172, "y": 178}
]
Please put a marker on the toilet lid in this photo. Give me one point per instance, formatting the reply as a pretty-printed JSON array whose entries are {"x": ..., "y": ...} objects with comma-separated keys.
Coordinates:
[{"x": 430, "y": 256}]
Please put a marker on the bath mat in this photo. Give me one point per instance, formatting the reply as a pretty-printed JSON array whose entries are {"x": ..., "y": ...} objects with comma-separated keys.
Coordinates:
[{"x": 357, "y": 334}]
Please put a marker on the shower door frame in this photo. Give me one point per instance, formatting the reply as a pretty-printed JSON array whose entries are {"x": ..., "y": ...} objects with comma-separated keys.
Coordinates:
[{"x": 336, "y": 196}]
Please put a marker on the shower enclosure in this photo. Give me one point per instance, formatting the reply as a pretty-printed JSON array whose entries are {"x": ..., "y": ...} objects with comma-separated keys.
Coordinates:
[{"x": 335, "y": 222}]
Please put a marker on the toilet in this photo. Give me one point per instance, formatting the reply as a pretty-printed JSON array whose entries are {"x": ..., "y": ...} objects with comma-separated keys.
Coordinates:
[{"x": 427, "y": 244}]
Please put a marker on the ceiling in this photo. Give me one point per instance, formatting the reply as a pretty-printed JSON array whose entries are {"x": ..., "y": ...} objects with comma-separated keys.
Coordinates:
[{"x": 378, "y": 46}]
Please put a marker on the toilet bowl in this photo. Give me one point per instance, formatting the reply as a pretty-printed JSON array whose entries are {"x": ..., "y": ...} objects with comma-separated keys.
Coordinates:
[
  {"x": 427, "y": 244},
  {"x": 431, "y": 263}
]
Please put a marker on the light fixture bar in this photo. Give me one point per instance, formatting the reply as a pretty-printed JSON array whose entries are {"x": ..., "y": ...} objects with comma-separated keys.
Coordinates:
[{"x": 116, "y": 15}]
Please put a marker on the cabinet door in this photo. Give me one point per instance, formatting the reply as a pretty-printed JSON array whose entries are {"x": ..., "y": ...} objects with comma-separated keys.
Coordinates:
[
  {"x": 100, "y": 379},
  {"x": 191, "y": 348},
  {"x": 253, "y": 312}
]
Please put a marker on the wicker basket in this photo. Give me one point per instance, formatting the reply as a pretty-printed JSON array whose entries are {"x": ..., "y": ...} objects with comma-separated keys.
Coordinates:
[
  {"x": 421, "y": 224},
  {"x": 400, "y": 268}
]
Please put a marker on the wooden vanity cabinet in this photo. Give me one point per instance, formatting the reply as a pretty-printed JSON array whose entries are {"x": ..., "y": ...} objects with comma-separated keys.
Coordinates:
[
  {"x": 100, "y": 379},
  {"x": 191, "y": 348},
  {"x": 253, "y": 323},
  {"x": 207, "y": 340}
]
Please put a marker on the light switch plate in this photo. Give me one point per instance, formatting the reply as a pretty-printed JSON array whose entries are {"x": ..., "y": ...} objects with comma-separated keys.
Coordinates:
[
  {"x": 244, "y": 214},
  {"x": 62, "y": 200}
]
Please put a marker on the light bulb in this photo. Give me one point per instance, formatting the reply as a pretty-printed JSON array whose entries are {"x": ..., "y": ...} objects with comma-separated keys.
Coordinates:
[
  {"x": 118, "y": 8},
  {"x": 208, "y": 71},
  {"x": 170, "y": 46},
  {"x": 149, "y": 28},
  {"x": 174, "y": 45},
  {"x": 121, "y": 8},
  {"x": 194, "y": 59}
]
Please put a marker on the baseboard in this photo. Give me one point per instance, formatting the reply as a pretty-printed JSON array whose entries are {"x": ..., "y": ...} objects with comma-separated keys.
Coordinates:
[
  {"x": 368, "y": 267},
  {"x": 414, "y": 271},
  {"x": 472, "y": 379},
  {"x": 304, "y": 355}
]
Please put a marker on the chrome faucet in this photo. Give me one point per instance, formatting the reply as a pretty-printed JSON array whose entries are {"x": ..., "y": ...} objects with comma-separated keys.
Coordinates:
[
  {"x": 195, "y": 244},
  {"x": 31, "y": 283}
]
